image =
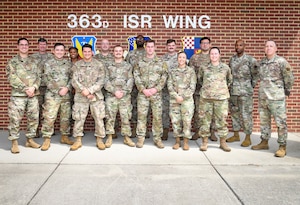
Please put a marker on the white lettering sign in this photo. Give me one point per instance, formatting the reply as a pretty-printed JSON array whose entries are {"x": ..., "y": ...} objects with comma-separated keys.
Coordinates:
[
  {"x": 134, "y": 23},
  {"x": 144, "y": 21},
  {"x": 84, "y": 21},
  {"x": 186, "y": 21}
]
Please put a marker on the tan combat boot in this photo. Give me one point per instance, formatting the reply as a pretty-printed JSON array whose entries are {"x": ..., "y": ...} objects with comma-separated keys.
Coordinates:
[
  {"x": 234, "y": 138},
  {"x": 77, "y": 144},
  {"x": 223, "y": 144},
  {"x": 100, "y": 144},
  {"x": 203, "y": 146},
  {"x": 159, "y": 144},
  {"x": 128, "y": 141},
  {"x": 109, "y": 140},
  {"x": 165, "y": 134},
  {"x": 246, "y": 142},
  {"x": 195, "y": 135},
  {"x": 262, "y": 145},
  {"x": 185, "y": 144},
  {"x": 177, "y": 143},
  {"x": 46, "y": 144},
  {"x": 65, "y": 140},
  {"x": 14, "y": 147},
  {"x": 281, "y": 152},
  {"x": 31, "y": 143},
  {"x": 133, "y": 130},
  {"x": 140, "y": 142},
  {"x": 213, "y": 135}
]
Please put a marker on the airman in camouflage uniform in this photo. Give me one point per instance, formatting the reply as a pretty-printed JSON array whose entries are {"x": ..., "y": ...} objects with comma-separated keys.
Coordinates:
[
  {"x": 106, "y": 58},
  {"x": 73, "y": 55},
  {"x": 118, "y": 83},
  {"x": 171, "y": 59},
  {"x": 276, "y": 81},
  {"x": 181, "y": 85},
  {"x": 88, "y": 80},
  {"x": 104, "y": 55},
  {"x": 133, "y": 57},
  {"x": 198, "y": 62},
  {"x": 24, "y": 78},
  {"x": 214, "y": 94},
  {"x": 57, "y": 77},
  {"x": 42, "y": 56},
  {"x": 244, "y": 70},
  {"x": 150, "y": 76}
]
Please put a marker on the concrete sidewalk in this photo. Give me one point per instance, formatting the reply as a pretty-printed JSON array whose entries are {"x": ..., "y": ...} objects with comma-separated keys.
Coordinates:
[{"x": 125, "y": 175}]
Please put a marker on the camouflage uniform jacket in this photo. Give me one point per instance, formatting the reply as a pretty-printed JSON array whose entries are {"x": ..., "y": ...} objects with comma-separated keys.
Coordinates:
[
  {"x": 57, "y": 74},
  {"x": 244, "y": 71},
  {"x": 89, "y": 75},
  {"x": 182, "y": 82},
  {"x": 150, "y": 73},
  {"x": 215, "y": 81},
  {"x": 198, "y": 62},
  {"x": 171, "y": 60},
  {"x": 133, "y": 57},
  {"x": 119, "y": 77},
  {"x": 41, "y": 59},
  {"x": 276, "y": 76},
  {"x": 104, "y": 59},
  {"x": 23, "y": 73}
]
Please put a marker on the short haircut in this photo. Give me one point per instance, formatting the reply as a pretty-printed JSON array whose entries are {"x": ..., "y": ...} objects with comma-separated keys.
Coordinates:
[
  {"x": 181, "y": 52},
  {"x": 87, "y": 46},
  {"x": 271, "y": 40},
  {"x": 42, "y": 40},
  {"x": 73, "y": 48},
  {"x": 117, "y": 46},
  {"x": 150, "y": 41},
  {"x": 139, "y": 36},
  {"x": 59, "y": 44},
  {"x": 170, "y": 41},
  {"x": 205, "y": 38},
  {"x": 21, "y": 39},
  {"x": 214, "y": 48}
]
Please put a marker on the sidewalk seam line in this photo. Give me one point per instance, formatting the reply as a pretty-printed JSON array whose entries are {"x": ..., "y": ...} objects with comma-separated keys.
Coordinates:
[
  {"x": 47, "y": 179},
  {"x": 223, "y": 179}
]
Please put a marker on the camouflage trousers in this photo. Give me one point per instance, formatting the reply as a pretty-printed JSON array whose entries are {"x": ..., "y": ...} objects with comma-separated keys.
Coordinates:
[
  {"x": 112, "y": 106},
  {"x": 155, "y": 102},
  {"x": 17, "y": 106},
  {"x": 197, "y": 121},
  {"x": 213, "y": 109},
  {"x": 51, "y": 108},
  {"x": 79, "y": 113},
  {"x": 241, "y": 108},
  {"x": 181, "y": 116},
  {"x": 117, "y": 123},
  {"x": 41, "y": 99},
  {"x": 276, "y": 108},
  {"x": 165, "y": 108}
]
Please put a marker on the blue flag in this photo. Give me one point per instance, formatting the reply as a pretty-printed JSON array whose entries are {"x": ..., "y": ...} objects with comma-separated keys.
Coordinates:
[
  {"x": 191, "y": 45},
  {"x": 79, "y": 41}
]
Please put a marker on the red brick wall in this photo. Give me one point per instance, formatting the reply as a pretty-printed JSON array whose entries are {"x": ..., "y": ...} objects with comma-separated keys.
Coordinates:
[{"x": 254, "y": 21}]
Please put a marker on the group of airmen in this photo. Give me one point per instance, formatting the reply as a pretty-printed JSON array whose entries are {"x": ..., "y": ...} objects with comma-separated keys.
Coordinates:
[{"x": 202, "y": 89}]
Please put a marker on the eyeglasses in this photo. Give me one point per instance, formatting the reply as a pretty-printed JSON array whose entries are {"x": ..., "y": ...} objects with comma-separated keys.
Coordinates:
[{"x": 205, "y": 43}]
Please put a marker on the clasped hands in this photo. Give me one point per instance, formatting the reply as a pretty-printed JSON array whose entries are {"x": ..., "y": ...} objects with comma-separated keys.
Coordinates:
[
  {"x": 149, "y": 92},
  {"x": 86, "y": 93}
]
